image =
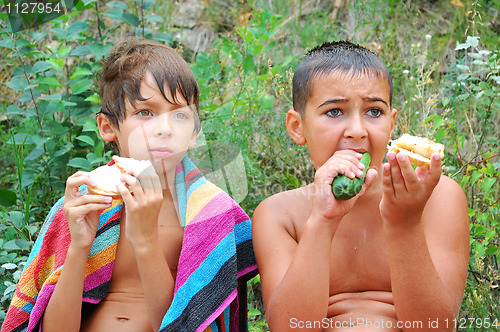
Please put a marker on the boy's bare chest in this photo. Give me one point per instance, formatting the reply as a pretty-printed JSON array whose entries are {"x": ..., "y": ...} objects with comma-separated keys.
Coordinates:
[
  {"x": 359, "y": 260},
  {"x": 125, "y": 270}
]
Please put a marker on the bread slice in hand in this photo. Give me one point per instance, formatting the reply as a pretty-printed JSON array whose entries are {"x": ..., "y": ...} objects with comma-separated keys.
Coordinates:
[
  {"x": 418, "y": 149},
  {"x": 106, "y": 177}
]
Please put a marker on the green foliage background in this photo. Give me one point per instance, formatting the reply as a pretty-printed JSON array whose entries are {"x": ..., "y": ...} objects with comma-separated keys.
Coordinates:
[{"x": 443, "y": 56}]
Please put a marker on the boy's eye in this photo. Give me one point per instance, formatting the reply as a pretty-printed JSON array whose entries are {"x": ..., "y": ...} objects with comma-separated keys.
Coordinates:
[
  {"x": 375, "y": 112},
  {"x": 144, "y": 113},
  {"x": 333, "y": 113},
  {"x": 180, "y": 116}
]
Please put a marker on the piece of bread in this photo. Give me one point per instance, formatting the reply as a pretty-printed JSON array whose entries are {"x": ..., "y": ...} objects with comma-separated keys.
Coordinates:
[
  {"x": 418, "y": 149},
  {"x": 106, "y": 177}
]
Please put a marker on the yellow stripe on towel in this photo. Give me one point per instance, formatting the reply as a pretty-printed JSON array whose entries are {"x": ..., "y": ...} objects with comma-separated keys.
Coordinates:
[{"x": 199, "y": 199}]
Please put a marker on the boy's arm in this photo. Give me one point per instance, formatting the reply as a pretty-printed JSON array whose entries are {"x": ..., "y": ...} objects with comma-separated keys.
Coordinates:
[
  {"x": 295, "y": 277},
  {"x": 427, "y": 242},
  {"x": 143, "y": 210},
  {"x": 63, "y": 312},
  {"x": 284, "y": 264}
]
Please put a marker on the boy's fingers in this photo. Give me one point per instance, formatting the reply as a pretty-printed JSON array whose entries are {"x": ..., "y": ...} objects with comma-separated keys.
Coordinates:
[
  {"x": 396, "y": 176},
  {"x": 124, "y": 191},
  {"x": 84, "y": 209},
  {"x": 371, "y": 174},
  {"x": 408, "y": 174},
  {"x": 89, "y": 199},
  {"x": 434, "y": 173},
  {"x": 387, "y": 185},
  {"x": 74, "y": 182}
]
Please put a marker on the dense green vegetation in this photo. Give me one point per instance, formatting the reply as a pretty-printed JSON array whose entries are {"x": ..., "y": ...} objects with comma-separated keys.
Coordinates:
[{"x": 443, "y": 56}]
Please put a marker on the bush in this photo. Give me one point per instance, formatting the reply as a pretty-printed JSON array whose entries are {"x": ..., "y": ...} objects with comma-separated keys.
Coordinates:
[{"x": 446, "y": 87}]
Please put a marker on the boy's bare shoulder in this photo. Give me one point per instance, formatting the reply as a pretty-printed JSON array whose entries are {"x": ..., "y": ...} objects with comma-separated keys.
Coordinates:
[
  {"x": 287, "y": 209},
  {"x": 448, "y": 193},
  {"x": 447, "y": 209}
]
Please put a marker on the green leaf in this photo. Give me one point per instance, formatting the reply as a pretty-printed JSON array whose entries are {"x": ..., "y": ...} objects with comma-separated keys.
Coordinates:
[
  {"x": 153, "y": 18},
  {"x": 77, "y": 27},
  {"x": 81, "y": 86},
  {"x": 130, "y": 19},
  {"x": 99, "y": 50},
  {"x": 81, "y": 51},
  {"x": 248, "y": 64},
  {"x": 80, "y": 163},
  {"x": 41, "y": 66},
  {"x": 114, "y": 13},
  {"x": 254, "y": 312},
  {"x": 492, "y": 250},
  {"x": 81, "y": 72},
  {"x": 56, "y": 64},
  {"x": 86, "y": 139},
  {"x": 117, "y": 4},
  {"x": 7, "y": 197},
  {"x": 17, "y": 244},
  {"x": 476, "y": 175},
  {"x": 18, "y": 84},
  {"x": 64, "y": 51},
  {"x": 15, "y": 110},
  {"x": 7, "y": 43},
  {"x": 94, "y": 99},
  {"x": 50, "y": 80},
  {"x": 487, "y": 184},
  {"x": 164, "y": 37},
  {"x": 38, "y": 35}
]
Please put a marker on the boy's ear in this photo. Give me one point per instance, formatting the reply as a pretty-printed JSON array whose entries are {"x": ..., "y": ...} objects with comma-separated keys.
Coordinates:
[
  {"x": 295, "y": 127},
  {"x": 394, "y": 112},
  {"x": 106, "y": 128},
  {"x": 192, "y": 142}
]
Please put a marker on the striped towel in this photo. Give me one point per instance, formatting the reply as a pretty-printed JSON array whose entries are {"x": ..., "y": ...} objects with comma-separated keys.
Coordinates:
[{"x": 209, "y": 293}]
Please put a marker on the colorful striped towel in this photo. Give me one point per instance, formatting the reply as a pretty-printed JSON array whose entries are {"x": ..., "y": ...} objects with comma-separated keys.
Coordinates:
[{"x": 216, "y": 251}]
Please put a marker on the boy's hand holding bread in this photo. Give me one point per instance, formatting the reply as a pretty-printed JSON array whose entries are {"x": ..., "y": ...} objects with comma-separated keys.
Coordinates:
[{"x": 406, "y": 191}]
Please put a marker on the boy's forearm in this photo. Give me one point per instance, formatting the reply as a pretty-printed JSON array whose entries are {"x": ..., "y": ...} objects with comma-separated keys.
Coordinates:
[
  {"x": 419, "y": 293},
  {"x": 303, "y": 292},
  {"x": 63, "y": 312},
  {"x": 157, "y": 281}
]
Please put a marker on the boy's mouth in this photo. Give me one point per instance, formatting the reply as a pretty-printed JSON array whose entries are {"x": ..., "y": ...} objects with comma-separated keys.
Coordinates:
[
  {"x": 360, "y": 150},
  {"x": 160, "y": 152}
]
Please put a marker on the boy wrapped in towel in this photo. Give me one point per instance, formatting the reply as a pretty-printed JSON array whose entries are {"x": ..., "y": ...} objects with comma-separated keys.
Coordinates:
[{"x": 172, "y": 253}]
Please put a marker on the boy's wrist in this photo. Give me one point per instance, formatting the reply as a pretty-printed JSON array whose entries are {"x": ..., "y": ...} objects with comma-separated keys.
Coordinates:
[
  {"x": 321, "y": 224},
  {"x": 402, "y": 227},
  {"x": 145, "y": 245},
  {"x": 78, "y": 251}
]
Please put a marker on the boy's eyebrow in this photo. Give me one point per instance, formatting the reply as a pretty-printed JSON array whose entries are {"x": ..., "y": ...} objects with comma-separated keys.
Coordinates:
[
  {"x": 375, "y": 99},
  {"x": 333, "y": 101},
  {"x": 336, "y": 100}
]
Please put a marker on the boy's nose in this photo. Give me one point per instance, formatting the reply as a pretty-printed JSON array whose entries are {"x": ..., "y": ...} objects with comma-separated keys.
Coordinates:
[
  {"x": 355, "y": 128},
  {"x": 162, "y": 126}
]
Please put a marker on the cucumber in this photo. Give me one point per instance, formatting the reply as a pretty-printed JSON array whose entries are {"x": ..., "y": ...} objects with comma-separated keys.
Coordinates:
[{"x": 344, "y": 188}]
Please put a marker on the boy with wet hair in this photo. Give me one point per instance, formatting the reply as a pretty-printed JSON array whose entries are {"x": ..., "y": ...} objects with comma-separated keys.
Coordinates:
[
  {"x": 395, "y": 256},
  {"x": 169, "y": 255}
]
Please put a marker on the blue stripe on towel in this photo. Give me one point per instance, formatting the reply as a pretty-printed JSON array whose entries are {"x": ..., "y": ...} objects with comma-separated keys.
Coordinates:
[
  {"x": 243, "y": 231},
  {"x": 200, "y": 277}
]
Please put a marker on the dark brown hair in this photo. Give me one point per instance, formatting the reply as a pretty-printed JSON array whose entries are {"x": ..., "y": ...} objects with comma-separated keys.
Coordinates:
[
  {"x": 341, "y": 56},
  {"x": 123, "y": 71}
]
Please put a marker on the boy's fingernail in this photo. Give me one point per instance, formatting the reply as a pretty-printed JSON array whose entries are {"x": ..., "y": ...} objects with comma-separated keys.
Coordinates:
[
  {"x": 108, "y": 199},
  {"x": 401, "y": 156},
  {"x": 391, "y": 156}
]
